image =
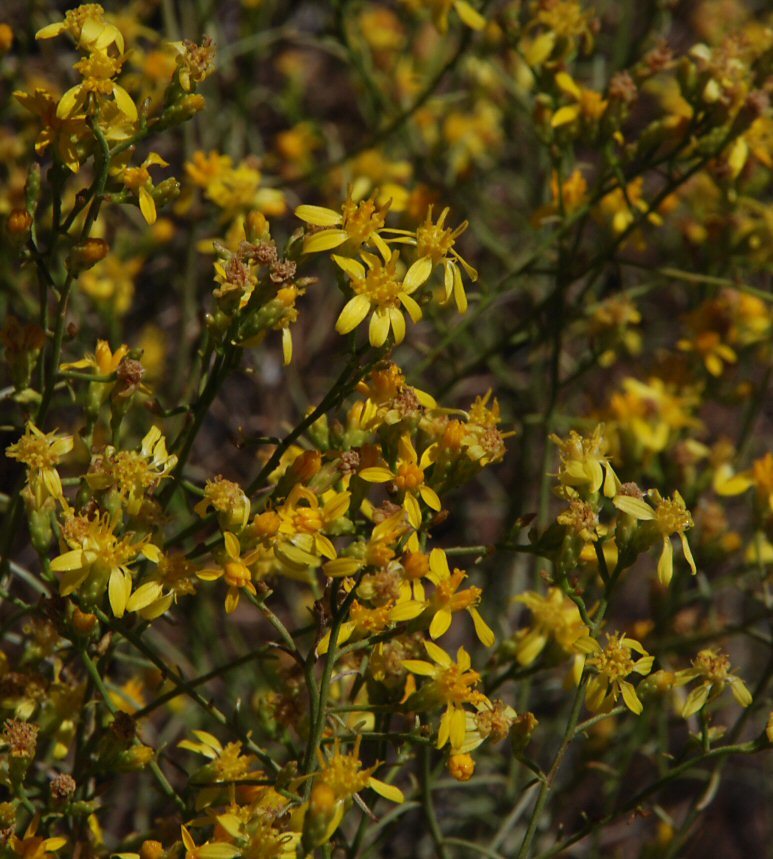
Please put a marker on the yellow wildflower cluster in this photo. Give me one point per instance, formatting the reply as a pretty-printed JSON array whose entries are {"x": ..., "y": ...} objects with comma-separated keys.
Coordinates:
[{"x": 333, "y": 460}]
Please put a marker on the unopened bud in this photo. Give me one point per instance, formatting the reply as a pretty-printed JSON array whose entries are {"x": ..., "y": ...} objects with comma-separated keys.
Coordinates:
[
  {"x": 87, "y": 254},
  {"x": 461, "y": 767},
  {"x": 19, "y": 224}
]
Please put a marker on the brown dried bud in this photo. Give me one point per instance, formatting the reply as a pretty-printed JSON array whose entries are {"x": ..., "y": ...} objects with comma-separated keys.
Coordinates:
[
  {"x": 622, "y": 88},
  {"x": 83, "y": 622},
  {"x": 62, "y": 787},
  {"x": 21, "y": 738},
  {"x": 283, "y": 271},
  {"x": 123, "y": 727}
]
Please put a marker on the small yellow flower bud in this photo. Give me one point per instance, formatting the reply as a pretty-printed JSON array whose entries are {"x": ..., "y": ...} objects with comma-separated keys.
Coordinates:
[
  {"x": 152, "y": 850},
  {"x": 83, "y": 622},
  {"x": 6, "y": 38},
  {"x": 461, "y": 767},
  {"x": 18, "y": 224},
  {"x": 87, "y": 254}
]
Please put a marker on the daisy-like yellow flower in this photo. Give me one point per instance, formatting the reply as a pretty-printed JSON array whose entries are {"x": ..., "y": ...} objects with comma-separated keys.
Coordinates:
[
  {"x": 174, "y": 576},
  {"x": 712, "y": 667},
  {"x": 87, "y": 27},
  {"x": 612, "y": 665},
  {"x": 364, "y": 621},
  {"x": 553, "y": 616},
  {"x": 434, "y": 244},
  {"x": 588, "y": 104},
  {"x": 99, "y": 560},
  {"x": 585, "y": 467},
  {"x": 41, "y": 453},
  {"x": 104, "y": 360},
  {"x": 345, "y": 775},
  {"x": 229, "y": 500},
  {"x": 133, "y": 473},
  {"x": 452, "y": 684},
  {"x": 448, "y": 599},
  {"x": 98, "y": 71},
  {"x": 408, "y": 478},
  {"x": 299, "y": 541},
  {"x": 33, "y": 846},
  {"x": 377, "y": 552},
  {"x": 377, "y": 288},
  {"x": 670, "y": 516},
  {"x": 208, "y": 850},
  {"x": 138, "y": 181},
  {"x": 358, "y": 223},
  {"x": 235, "y": 569},
  {"x": 441, "y": 9}
]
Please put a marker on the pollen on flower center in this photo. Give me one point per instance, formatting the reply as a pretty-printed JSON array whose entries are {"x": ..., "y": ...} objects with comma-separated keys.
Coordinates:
[
  {"x": 361, "y": 219},
  {"x": 236, "y": 574},
  {"x": 35, "y": 452},
  {"x": 434, "y": 241},
  {"x": 344, "y": 775},
  {"x": 409, "y": 476},
  {"x": 615, "y": 660},
  {"x": 672, "y": 517},
  {"x": 714, "y": 665},
  {"x": 456, "y": 685},
  {"x": 98, "y": 69},
  {"x": 379, "y": 284}
]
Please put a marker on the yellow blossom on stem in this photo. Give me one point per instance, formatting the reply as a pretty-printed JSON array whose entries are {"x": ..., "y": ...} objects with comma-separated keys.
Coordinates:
[
  {"x": 41, "y": 453},
  {"x": 364, "y": 621},
  {"x": 451, "y": 685},
  {"x": 588, "y": 104},
  {"x": 138, "y": 181},
  {"x": 434, "y": 244},
  {"x": 377, "y": 289},
  {"x": 712, "y": 667},
  {"x": 98, "y": 71},
  {"x": 33, "y": 846},
  {"x": 408, "y": 478},
  {"x": 448, "y": 599},
  {"x": 358, "y": 223},
  {"x": 99, "y": 560},
  {"x": 670, "y": 516},
  {"x": 612, "y": 665},
  {"x": 300, "y": 542},
  {"x": 235, "y": 569},
  {"x": 86, "y": 26},
  {"x": 585, "y": 467},
  {"x": 553, "y": 616},
  {"x": 133, "y": 473}
]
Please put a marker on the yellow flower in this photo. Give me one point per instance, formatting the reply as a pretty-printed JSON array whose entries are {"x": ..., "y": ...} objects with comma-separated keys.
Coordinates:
[
  {"x": 553, "y": 616},
  {"x": 133, "y": 473},
  {"x": 378, "y": 289},
  {"x": 434, "y": 244},
  {"x": 300, "y": 542},
  {"x": 364, "y": 621},
  {"x": 612, "y": 665},
  {"x": 41, "y": 453},
  {"x": 98, "y": 71},
  {"x": 448, "y": 599},
  {"x": 174, "y": 576},
  {"x": 208, "y": 850},
  {"x": 585, "y": 468},
  {"x": 670, "y": 516},
  {"x": 408, "y": 478},
  {"x": 440, "y": 10},
  {"x": 33, "y": 846},
  {"x": 87, "y": 27},
  {"x": 709, "y": 346},
  {"x": 588, "y": 104},
  {"x": 137, "y": 180},
  {"x": 99, "y": 560},
  {"x": 235, "y": 569},
  {"x": 712, "y": 667},
  {"x": 357, "y": 223},
  {"x": 229, "y": 500},
  {"x": 66, "y": 134},
  {"x": 345, "y": 776},
  {"x": 452, "y": 684}
]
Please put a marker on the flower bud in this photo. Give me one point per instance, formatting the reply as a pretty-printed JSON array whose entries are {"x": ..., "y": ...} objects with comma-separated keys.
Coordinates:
[
  {"x": 86, "y": 255},
  {"x": 461, "y": 767}
]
